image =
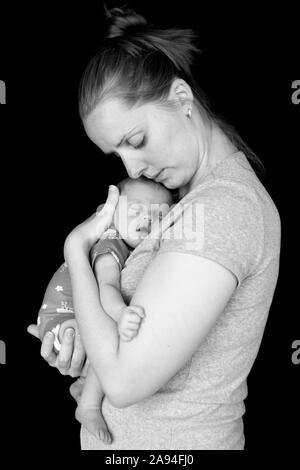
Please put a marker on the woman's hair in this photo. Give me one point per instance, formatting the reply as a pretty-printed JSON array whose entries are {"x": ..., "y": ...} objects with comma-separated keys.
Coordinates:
[{"x": 138, "y": 62}]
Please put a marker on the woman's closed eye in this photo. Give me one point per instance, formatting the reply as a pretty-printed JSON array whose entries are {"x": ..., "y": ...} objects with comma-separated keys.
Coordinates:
[{"x": 137, "y": 141}]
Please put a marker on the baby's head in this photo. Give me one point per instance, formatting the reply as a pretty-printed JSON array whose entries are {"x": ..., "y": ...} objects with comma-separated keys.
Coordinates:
[{"x": 142, "y": 202}]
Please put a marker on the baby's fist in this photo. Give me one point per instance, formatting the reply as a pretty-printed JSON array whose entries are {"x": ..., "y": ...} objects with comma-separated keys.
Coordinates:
[{"x": 130, "y": 322}]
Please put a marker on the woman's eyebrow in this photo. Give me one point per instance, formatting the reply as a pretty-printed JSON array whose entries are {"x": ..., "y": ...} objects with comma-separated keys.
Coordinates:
[{"x": 126, "y": 136}]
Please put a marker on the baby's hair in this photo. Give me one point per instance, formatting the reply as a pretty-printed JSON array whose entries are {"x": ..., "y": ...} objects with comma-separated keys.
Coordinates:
[{"x": 137, "y": 63}]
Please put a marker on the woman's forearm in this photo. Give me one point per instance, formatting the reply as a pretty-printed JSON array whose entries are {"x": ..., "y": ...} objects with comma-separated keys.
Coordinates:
[{"x": 98, "y": 331}]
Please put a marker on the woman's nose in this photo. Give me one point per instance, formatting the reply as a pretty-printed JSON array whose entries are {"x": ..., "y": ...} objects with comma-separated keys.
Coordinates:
[
  {"x": 134, "y": 174},
  {"x": 133, "y": 168}
]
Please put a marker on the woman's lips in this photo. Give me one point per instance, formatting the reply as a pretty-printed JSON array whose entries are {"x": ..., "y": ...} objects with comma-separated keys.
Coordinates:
[
  {"x": 156, "y": 176},
  {"x": 153, "y": 176},
  {"x": 159, "y": 177}
]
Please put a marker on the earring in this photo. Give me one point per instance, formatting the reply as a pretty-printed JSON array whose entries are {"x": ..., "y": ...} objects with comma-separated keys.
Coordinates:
[{"x": 189, "y": 113}]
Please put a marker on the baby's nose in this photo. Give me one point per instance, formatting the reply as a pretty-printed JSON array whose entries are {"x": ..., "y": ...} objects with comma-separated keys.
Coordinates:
[{"x": 145, "y": 223}]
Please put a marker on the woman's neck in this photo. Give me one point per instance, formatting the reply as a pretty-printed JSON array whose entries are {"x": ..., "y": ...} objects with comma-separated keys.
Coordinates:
[{"x": 218, "y": 147}]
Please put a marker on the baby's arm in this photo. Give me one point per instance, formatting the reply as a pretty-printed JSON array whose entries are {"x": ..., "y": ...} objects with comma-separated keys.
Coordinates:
[{"x": 108, "y": 277}]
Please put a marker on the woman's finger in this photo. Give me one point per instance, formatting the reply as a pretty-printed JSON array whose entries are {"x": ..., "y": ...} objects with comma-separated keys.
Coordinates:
[
  {"x": 78, "y": 357},
  {"x": 47, "y": 351},
  {"x": 85, "y": 368},
  {"x": 33, "y": 330},
  {"x": 71, "y": 323},
  {"x": 112, "y": 199},
  {"x": 99, "y": 208},
  {"x": 66, "y": 351},
  {"x": 105, "y": 215}
]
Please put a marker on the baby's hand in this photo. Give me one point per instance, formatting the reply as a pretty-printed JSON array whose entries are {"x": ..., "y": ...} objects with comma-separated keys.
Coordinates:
[{"x": 130, "y": 322}]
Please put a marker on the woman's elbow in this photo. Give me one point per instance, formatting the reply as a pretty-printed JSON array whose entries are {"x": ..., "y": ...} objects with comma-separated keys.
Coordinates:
[
  {"x": 124, "y": 395},
  {"x": 122, "y": 390},
  {"x": 120, "y": 400},
  {"x": 116, "y": 392}
]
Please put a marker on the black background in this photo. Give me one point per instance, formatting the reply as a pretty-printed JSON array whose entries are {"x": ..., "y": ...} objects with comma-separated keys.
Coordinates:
[{"x": 53, "y": 177}]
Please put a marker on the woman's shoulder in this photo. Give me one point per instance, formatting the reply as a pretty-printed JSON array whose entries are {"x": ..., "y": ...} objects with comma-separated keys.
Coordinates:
[
  {"x": 229, "y": 219},
  {"x": 234, "y": 183}
]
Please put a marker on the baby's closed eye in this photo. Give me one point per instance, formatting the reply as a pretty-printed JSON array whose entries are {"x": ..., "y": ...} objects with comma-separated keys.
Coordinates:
[{"x": 134, "y": 209}]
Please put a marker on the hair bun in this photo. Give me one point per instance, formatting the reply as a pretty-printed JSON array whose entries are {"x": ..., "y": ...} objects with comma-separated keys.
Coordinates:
[{"x": 120, "y": 20}]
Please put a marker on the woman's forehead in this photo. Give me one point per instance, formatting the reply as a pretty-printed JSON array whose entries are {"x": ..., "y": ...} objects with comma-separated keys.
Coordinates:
[{"x": 111, "y": 120}]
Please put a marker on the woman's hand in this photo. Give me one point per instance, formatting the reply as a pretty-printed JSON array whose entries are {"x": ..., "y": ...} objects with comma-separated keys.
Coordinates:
[
  {"x": 88, "y": 233},
  {"x": 70, "y": 359}
]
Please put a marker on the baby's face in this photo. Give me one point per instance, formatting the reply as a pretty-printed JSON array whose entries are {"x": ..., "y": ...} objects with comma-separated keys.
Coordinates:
[{"x": 139, "y": 207}]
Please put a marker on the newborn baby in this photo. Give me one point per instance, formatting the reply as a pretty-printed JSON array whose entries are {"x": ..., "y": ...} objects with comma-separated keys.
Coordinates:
[{"x": 142, "y": 202}]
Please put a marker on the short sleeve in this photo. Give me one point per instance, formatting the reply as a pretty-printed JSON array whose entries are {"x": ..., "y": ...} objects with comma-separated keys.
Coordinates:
[
  {"x": 115, "y": 246},
  {"x": 222, "y": 223}
]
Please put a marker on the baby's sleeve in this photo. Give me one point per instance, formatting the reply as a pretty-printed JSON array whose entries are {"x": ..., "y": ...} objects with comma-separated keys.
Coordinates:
[
  {"x": 57, "y": 305},
  {"x": 115, "y": 246},
  {"x": 224, "y": 224}
]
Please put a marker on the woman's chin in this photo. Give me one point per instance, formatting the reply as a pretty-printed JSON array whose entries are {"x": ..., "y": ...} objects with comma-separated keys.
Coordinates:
[
  {"x": 168, "y": 183},
  {"x": 133, "y": 242}
]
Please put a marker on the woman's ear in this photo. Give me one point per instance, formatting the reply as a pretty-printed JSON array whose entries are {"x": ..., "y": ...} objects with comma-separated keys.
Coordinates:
[{"x": 181, "y": 92}]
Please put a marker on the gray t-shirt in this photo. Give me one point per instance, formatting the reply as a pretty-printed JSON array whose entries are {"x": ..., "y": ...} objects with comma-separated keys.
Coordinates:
[{"x": 202, "y": 406}]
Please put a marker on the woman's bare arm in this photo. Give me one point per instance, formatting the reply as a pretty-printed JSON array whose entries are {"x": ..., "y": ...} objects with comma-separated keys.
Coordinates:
[
  {"x": 72, "y": 355},
  {"x": 182, "y": 295}
]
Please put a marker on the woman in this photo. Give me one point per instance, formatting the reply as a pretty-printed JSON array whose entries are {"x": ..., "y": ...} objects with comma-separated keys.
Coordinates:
[{"x": 206, "y": 283}]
